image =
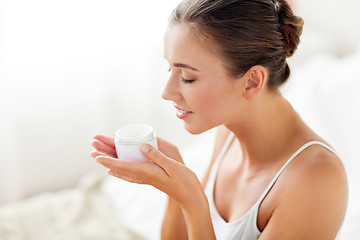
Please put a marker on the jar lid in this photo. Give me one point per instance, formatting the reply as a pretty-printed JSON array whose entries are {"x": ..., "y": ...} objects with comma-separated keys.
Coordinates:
[{"x": 135, "y": 134}]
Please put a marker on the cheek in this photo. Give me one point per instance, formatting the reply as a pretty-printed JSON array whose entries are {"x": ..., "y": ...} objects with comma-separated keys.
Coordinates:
[{"x": 208, "y": 101}]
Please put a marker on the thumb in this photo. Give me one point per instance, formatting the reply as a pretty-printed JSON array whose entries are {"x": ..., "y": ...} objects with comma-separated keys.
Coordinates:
[{"x": 155, "y": 155}]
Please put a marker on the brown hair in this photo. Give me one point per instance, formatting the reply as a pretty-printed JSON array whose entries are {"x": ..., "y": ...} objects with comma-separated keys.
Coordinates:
[{"x": 246, "y": 32}]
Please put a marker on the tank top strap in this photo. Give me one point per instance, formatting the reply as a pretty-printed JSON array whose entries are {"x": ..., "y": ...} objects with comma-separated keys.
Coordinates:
[{"x": 302, "y": 148}]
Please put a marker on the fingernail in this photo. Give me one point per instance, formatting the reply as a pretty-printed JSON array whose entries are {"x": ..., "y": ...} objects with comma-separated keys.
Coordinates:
[
  {"x": 97, "y": 160},
  {"x": 110, "y": 172},
  {"x": 145, "y": 148}
]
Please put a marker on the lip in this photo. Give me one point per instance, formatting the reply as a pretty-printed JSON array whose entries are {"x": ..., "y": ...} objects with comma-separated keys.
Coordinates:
[{"x": 181, "y": 113}]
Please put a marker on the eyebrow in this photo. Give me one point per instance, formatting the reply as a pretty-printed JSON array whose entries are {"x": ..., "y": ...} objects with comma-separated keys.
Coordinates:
[{"x": 181, "y": 65}]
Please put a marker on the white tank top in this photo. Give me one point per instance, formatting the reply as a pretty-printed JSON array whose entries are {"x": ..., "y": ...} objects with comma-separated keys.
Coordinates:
[{"x": 244, "y": 228}]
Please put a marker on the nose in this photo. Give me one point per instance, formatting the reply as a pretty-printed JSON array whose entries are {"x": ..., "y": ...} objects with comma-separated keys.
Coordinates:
[{"x": 171, "y": 91}]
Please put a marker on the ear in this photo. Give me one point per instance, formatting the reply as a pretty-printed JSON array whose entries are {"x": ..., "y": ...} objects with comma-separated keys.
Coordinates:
[{"x": 256, "y": 78}]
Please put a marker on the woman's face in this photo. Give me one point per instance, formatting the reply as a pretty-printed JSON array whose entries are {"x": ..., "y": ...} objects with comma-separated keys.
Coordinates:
[{"x": 199, "y": 86}]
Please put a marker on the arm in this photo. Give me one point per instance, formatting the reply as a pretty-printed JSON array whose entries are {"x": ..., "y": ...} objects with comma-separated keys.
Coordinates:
[
  {"x": 173, "y": 225},
  {"x": 312, "y": 202}
]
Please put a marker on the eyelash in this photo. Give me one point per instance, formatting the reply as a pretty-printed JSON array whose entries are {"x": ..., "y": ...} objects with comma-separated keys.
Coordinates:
[{"x": 186, "y": 81}]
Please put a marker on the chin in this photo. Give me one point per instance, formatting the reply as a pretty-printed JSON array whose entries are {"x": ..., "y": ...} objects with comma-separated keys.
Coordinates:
[{"x": 195, "y": 130}]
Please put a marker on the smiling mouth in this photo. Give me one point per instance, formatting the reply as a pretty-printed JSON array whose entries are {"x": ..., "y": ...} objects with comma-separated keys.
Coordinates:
[
  {"x": 182, "y": 114},
  {"x": 183, "y": 111}
]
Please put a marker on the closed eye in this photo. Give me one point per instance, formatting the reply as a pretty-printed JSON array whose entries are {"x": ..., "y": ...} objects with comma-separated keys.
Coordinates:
[{"x": 187, "y": 81}]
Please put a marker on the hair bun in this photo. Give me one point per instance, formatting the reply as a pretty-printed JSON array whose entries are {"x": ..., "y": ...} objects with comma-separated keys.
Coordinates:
[{"x": 290, "y": 26}]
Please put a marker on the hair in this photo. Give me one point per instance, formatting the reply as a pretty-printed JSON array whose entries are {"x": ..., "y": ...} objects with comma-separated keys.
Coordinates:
[{"x": 246, "y": 33}]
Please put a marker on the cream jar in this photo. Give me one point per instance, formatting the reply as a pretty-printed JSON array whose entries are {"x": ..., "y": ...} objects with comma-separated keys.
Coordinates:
[{"x": 129, "y": 138}]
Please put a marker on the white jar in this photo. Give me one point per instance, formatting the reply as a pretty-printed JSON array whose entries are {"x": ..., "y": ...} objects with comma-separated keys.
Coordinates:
[{"x": 128, "y": 140}]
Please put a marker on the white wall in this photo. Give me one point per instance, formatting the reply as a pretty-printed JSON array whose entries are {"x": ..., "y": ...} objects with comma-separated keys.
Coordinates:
[
  {"x": 70, "y": 69},
  {"x": 73, "y": 68},
  {"x": 339, "y": 20}
]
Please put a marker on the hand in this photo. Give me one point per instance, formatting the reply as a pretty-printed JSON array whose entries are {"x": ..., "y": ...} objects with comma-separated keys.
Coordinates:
[
  {"x": 165, "y": 173},
  {"x": 106, "y": 145}
]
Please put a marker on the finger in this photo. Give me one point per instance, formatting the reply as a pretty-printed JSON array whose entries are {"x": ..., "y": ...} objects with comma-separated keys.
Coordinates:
[
  {"x": 157, "y": 157},
  {"x": 101, "y": 147},
  {"x": 94, "y": 154},
  {"x": 108, "y": 161},
  {"x": 139, "y": 172},
  {"x": 119, "y": 165},
  {"x": 106, "y": 140}
]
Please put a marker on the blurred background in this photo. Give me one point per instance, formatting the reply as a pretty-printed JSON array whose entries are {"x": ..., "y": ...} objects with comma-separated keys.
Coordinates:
[{"x": 72, "y": 68}]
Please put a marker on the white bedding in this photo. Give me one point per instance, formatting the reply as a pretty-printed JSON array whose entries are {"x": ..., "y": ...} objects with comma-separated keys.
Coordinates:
[{"x": 82, "y": 213}]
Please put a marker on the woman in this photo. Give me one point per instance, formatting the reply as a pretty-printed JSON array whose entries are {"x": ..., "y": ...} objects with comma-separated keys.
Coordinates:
[{"x": 271, "y": 176}]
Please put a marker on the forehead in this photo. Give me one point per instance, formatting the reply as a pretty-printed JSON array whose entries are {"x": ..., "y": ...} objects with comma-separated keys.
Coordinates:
[
  {"x": 178, "y": 39},
  {"x": 182, "y": 43}
]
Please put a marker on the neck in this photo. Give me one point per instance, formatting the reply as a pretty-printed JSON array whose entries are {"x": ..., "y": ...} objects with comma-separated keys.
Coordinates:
[{"x": 270, "y": 126}]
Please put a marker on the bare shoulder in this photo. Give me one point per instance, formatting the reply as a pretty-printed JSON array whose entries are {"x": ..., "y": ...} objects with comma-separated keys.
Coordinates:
[
  {"x": 310, "y": 197},
  {"x": 317, "y": 167},
  {"x": 222, "y": 134}
]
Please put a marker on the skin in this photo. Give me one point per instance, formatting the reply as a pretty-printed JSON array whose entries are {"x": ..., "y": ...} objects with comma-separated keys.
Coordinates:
[{"x": 308, "y": 200}]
